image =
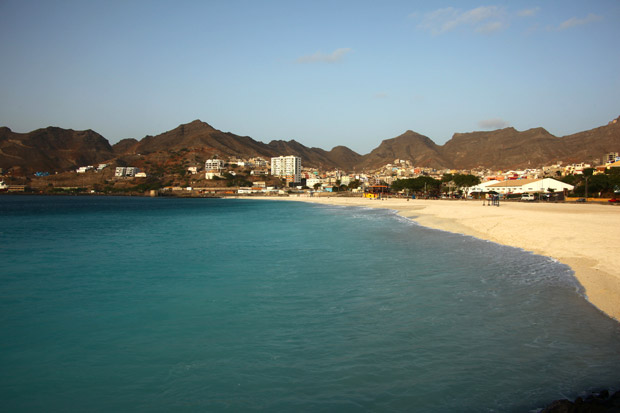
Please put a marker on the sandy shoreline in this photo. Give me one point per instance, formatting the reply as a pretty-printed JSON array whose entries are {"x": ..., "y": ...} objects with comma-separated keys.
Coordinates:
[{"x": 586, "y": 237}]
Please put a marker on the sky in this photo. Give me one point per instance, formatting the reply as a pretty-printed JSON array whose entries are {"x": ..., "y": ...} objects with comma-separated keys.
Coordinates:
[{"x": 323, "y": 73}]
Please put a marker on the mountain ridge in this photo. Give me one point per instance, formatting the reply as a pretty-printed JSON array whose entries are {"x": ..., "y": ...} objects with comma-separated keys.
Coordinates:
[{"x": 55, "y": 149}]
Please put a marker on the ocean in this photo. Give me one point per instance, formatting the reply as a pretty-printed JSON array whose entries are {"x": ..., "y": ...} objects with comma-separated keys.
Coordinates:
[{"x": 158, "y": 304}]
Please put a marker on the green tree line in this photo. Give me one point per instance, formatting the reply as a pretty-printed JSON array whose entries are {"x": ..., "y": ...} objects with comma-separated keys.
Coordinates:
[
  {"x": 605, "y": 184},
  {"x": 432, "y": 185}
]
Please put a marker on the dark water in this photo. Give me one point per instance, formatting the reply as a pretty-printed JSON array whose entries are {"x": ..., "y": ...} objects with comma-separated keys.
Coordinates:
[{"x": 139, "y": 304}]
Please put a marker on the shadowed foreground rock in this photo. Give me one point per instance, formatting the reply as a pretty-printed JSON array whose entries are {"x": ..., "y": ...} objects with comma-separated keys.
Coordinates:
[{"x": 595, "y": 403}]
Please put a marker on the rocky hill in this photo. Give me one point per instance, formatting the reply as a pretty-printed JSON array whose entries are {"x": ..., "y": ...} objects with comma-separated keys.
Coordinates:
[
  {"x": 339, "y": 157},
  {"x": 55, "y": 149},
  {"x": 499, "y": 149},
  {"x": 411, "y": 146},
  {"x": 593, "y": 142},
  {"x": 344, "y": 157},
  {"x": 198, "y": 134},
  {"x": 51, "y": 149},
  {"x": 505, "y": 148}
]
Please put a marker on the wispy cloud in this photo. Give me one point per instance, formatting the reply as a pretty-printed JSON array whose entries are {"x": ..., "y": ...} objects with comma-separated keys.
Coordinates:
[
  {"x": 495, "y": 123},
  {"x": 380, "y": 95},
  {"x": 574, "y": 21},
  {"x": 528, "y": 12},
  {"x": 485, "y": 19},
  {"x": 491, "y": 27},
  {"x": 319, "y": 57}
]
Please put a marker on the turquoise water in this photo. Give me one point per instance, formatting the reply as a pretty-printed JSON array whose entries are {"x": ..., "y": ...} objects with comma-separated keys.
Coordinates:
[{"x": 140, "y": 304}]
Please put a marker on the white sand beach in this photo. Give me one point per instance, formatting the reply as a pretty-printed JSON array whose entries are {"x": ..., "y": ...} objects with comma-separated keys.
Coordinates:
[{"x": 584, "y": 236}]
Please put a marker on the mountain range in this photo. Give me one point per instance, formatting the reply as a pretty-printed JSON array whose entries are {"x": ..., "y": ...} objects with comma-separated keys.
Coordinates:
[{"x": 55, "y": 149}]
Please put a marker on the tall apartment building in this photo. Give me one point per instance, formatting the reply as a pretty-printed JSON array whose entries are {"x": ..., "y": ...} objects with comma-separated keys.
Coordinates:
[
  {"x": 288, "y": 167},
  {"x": 611, "y": 157}
]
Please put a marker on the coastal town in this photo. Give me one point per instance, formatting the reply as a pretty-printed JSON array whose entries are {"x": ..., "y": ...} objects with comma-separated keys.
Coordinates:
[
  {"x": 286, "y": 175},
  {"x": 285, "y": 206}
]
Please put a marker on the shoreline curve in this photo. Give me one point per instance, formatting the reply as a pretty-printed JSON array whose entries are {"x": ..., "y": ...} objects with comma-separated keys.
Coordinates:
[{"x": 586, "y": 237}]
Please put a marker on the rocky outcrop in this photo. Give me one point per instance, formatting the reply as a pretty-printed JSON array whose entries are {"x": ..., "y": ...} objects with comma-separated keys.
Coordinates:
[
  {"x": 411, "y": 146},
  {"x": 52, "y": 149},
  {"x": 600, "y": 402}
]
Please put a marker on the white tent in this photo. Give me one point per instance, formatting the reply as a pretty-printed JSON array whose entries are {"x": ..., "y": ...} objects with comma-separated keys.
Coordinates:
[{"x": 522, "y": 186}]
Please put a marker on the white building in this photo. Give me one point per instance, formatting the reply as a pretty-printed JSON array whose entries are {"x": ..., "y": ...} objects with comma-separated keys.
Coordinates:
[
  {"x": 481, "y": 187},
  {"x": 288, "y": 167},
  {"x": 83, "y": 169},
  {"x": 214, "y": 165},
  {"x": 213, "y": 168},
  {"x": 258, "y": 162},
  {"x": 522, "y": 186},
  {"x": 612, "y": 157},
  {"x": 259, "y": 172},
  {"x": 126, "y": 171},
  {"x": 310, "y": 182}
]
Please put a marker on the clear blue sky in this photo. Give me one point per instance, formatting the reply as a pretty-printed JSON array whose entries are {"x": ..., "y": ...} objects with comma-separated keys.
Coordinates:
[{"x": 324, "y": 73}]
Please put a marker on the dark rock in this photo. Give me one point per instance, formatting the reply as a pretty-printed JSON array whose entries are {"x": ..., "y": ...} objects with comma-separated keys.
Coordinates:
[
  {"x": 560, "y": 406},
  {"x": 594, "y": 403}
]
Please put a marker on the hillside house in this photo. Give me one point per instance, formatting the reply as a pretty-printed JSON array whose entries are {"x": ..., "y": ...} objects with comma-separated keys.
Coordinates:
[
  {"x": 214, "y": 168},
  {"x": 215, "y": 165},
  {"x": 128, "y": 171},
  {"x": 83, "y": 169}
]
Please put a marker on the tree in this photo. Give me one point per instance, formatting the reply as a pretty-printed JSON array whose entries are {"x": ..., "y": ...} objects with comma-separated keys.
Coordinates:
[
  {"x": 416, "y": 184},
  {"x": 465, "y": 180},
  {"x": 447, "y": 178},
  {"x": 588, "y": 172},
  {"x": 240, "y": 181},
  {"x": 599, "y": 183},
  {"x": 585, "y": 185},
  {"x": 317, "y": 186},
  {"x": 615, "y": 171},
  {"x": 570, "y": 179},
  {"x": 354, "y": 184}
]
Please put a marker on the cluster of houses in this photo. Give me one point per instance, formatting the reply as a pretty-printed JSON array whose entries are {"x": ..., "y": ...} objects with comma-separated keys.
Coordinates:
[
  {"x": 216, "y": 167},
  {"x": 84, "y": 169},
  {"x": 120, "y": 171},
  {"x": 289, "y": 169}
]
